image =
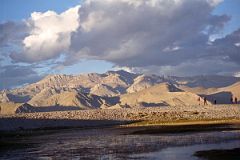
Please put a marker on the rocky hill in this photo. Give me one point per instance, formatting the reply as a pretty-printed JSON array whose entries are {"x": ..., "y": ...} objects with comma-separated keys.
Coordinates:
[
  {"x": 12, "y": 108},
  {"x": 224, "y": 95},
  {"x": 163, "y": 94},
  {"x": 121, "y": 89}
]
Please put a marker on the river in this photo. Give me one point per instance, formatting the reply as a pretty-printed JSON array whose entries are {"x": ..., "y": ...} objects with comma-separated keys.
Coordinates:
[{"x": 115, "y": 143}]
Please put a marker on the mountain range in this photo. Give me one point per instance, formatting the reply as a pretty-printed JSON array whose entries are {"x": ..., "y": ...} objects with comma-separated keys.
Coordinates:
[{"x": 117, "y": 89}]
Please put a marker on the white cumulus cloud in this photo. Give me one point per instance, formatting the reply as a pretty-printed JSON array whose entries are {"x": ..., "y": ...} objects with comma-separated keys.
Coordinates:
[
  {"x": 137, "y": 33},
  {"x": 50, "y": 35},
  {"x": 161, "y": 36}
]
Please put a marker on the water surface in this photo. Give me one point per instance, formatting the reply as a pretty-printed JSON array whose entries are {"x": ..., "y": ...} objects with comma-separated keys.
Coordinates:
[{"x": 116, "y": 143}]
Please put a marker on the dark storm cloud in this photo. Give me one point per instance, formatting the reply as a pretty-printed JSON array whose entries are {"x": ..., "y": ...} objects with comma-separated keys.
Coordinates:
[
  {"x": 15, "y": 75},
  {"x": 12, "y": 32},
  {"x": 155, "y": 36},
  {"x": 148, "y": 33},
  {"x": 228, "y": 47}
]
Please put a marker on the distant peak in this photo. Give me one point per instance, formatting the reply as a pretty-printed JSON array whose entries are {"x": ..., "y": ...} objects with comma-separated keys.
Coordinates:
[
  {"x": 122, "y": 73},
  {"x": 57, "y": 76}
]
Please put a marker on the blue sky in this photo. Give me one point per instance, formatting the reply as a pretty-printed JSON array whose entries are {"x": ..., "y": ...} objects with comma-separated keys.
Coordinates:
[
  {"x": 15, "y": 10},
  {"x": 18, "y": 10},
  {"x": 232, "y": 8},
  {"x": 21, "y": 9}
]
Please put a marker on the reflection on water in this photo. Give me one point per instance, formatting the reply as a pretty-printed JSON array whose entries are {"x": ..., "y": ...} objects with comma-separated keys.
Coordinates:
[
  {"x": 110, "y": 143},
  {"x": 185, "y": 152}
]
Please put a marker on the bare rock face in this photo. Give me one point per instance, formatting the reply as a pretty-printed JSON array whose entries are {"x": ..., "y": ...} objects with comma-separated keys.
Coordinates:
[
  {"x": 70, "y": 99},
  {"x": 44, "y": 94},
  {"x": 119, "y": 89},
  {"x": 221, "y": 95},
  {"x": 163, "y": 94},
  {"x": 142, "y": 82},
  {"x": 13, "y": 108},
  {"x": 224, "y": 95},
  {"x": 234, "y": 89},
  {"x": 104, "y": 90},
  {"x": 108, "y": 84},
  {"x": 83, "y": 101},
  {"x": 25, "y": 108},
  {"x": 3, "y": 97}
]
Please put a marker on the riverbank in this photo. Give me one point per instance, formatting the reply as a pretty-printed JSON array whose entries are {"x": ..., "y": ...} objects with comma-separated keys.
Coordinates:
[
  {"x": 118, "y": 143},
  {"x": 178, "y": 115},
  {"x": 220, "y": 154}
]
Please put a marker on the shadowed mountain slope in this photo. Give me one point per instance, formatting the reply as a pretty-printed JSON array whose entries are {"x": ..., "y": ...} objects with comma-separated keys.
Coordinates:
[
  {"x": 164, "y": 94},
  {"x": 120, "y": 89}
]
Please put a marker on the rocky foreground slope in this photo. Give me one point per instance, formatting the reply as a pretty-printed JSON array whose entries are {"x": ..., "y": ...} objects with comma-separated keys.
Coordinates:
[{"x": 89, "y": 118}]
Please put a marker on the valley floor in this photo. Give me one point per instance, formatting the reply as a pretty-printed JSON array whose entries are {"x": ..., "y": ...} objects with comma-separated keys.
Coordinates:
[{"x": 159, "y": 116}]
